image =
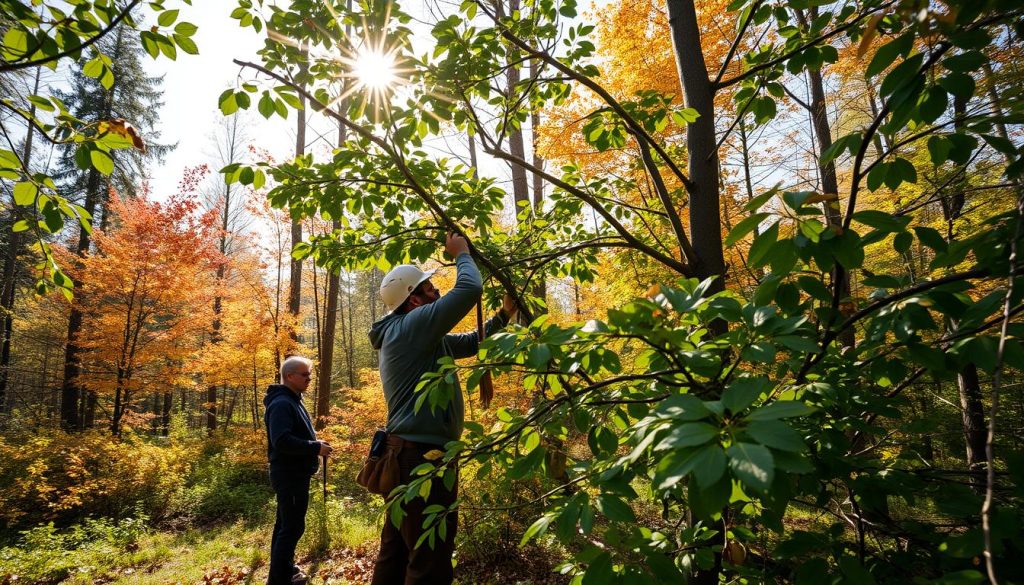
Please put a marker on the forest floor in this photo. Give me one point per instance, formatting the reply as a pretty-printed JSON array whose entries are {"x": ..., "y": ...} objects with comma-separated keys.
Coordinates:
[{"x": 237, "y": 553}]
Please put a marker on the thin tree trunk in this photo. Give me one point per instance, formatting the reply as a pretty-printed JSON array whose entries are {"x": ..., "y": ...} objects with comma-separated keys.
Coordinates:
[
  {"x": 10, "y": 270},
  {"x": 829, "y": 184},
  {"x": 165, "y": 414},
  {"x": 295, "y": 282}
]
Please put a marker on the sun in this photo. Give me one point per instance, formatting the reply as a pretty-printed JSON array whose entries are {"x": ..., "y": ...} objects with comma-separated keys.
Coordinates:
[{"x": 374, "y": 70}]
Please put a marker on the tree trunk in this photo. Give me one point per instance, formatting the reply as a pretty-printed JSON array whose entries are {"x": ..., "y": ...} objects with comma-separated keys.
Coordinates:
[
  {"x": 71, "y": 390},
  {"x": 704, "y": 207},
  {"x": 295, "y": 277},
  {"x": 323, "y": 404},
  {"x": 165, "y": 414},
  {"x": 10, "y": 270},
  {"x": 829, "y": 185}
]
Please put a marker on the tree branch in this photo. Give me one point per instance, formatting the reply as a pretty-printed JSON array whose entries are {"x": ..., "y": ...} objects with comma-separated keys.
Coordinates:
[
  {"x": 43, "y": 60},
  {"x": 421, "y": 191}
]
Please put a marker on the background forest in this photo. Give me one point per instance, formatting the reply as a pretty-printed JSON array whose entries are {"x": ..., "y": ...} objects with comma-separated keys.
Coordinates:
[{"x": 766, "y": 254}]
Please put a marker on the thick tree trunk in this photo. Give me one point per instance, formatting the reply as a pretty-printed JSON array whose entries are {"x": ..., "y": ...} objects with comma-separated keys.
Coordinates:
[
  {"x": 71, "y": 390},
  {"x": 704, "y": 207}
]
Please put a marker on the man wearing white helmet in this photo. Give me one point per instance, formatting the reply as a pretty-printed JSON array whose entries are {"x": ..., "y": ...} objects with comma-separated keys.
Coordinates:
[{"x": 411, "y": 339}]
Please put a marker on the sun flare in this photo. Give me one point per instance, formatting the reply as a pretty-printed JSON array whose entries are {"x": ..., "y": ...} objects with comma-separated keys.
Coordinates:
[{"x": 374, "y": 70}]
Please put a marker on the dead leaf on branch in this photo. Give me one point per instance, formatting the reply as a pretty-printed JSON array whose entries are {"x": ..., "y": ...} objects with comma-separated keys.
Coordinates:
[{"x": 122, "y": 127}]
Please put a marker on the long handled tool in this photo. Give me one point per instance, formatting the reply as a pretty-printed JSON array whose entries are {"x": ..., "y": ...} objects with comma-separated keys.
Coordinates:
[
  {"x": 325, "y": 486},
  {"x": 486, "y": 386}
]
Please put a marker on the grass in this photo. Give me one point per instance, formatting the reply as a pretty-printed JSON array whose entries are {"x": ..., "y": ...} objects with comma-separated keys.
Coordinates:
[{"x": 112, "y": 552}]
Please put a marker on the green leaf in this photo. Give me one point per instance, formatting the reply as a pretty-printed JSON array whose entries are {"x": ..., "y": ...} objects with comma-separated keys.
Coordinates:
[
  {"x": 742, "y": 392},
  {"x": 167, "y": 17},
  {"x": 762, "y": 245},
  {"x": 960, "y": 85},
  {"x": 938, "y": 149},
  {"x": 93, "y": 68},
  {"x": 933, "y": 104},
  {"x": 149, "y": 43},
  {"x": 682, "y": 407},
  {"x": 965, "y": 62},
  {"x": 752, "y": 465},
  {"x": 775, "y": 434},
  {"x": 756, "y": 203},
  {"x": 614, "y": 508},
  {"x": 903, "y": 74},
  {"x": 227, "y": 102},
  {"x": 707, "y": 463},
  {"x": 780, "y": 409},
  {"x": 688, "y": 435},
  {"x": 889, "y": 52},
  {"x": 185, "y": 29},
  {"x": 539, "y": 356},
  {"x": 101, "y": 161},
  {"x": 186, "y": 44},
  {"x": 15, "y": 44},
  {"x": 881, "y": 221},
  {"x": 932, "y": 238},
  {"x": 25, "y": 193},
  {"x": 798, "y": 343},
  {"x": 685, "y": 116},
  {"x": 762, "y": 352},
  {"x": 744, "y": 227},
  {"x": 266, "y": 105},
  {"x": 536, "y": 529},
  {"x": 849, "y": 142}
]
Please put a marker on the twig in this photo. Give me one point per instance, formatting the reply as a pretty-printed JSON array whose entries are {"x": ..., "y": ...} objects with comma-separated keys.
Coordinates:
[{"x": 986, "y": 508}]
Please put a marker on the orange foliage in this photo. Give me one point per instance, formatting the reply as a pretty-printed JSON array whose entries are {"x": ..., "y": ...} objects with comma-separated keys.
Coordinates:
[{"x": 146, "y": 297}]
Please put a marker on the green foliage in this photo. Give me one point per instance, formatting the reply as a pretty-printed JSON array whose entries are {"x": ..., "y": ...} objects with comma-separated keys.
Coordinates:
[
  {"x": 50, "y": 34},
  {"x": 45, "y": 554}
]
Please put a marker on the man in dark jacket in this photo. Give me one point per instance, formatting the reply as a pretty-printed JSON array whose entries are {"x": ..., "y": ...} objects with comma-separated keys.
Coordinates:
[
  {"x": 411, "y": 339},
  {"x": 294, "y": 454}
]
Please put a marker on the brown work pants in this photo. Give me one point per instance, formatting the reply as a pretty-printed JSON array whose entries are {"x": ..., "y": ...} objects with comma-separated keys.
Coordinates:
[{"x": 400, "y": 561}]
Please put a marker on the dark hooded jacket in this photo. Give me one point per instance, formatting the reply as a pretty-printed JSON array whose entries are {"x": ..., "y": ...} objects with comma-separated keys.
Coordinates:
[
  {"x": 292, "y": 446},
  {"x": 410, "y": 345}
]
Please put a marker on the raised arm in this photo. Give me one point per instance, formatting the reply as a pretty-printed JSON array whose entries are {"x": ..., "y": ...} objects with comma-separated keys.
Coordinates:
[{"x": 433, "y": 321}]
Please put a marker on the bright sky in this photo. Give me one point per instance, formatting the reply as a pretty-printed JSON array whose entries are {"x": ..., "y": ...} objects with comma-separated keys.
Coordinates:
[{"x": 192, "y": 84}]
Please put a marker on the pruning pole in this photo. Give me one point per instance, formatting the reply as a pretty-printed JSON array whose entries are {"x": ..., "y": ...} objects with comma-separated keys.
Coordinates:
[
  {"x": 325, "y": 486},
  {"x": 486, "y": 386}
]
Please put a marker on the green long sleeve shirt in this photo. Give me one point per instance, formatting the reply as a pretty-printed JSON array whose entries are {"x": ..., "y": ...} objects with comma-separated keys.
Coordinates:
[{"x": 410, "y": 345}]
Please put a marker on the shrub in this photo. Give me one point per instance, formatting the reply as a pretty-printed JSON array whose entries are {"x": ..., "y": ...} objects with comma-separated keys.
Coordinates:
[
  {"x": 55, "y": 477},
  {"x": 45, "y": 554}
]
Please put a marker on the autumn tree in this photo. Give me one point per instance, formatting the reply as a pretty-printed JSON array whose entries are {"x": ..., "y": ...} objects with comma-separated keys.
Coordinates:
[{"x": 147, "y": 297}]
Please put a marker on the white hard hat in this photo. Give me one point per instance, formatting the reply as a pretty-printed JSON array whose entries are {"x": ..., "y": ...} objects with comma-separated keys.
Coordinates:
[{"x": 399, "y": 283}]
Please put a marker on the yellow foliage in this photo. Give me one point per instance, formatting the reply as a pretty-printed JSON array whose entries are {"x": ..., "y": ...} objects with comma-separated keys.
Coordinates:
[{"x": 56, "y": 476}]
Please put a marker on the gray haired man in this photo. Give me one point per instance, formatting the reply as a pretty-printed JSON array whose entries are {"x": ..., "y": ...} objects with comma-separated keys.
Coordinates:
[{"x": 294, "y": 453}]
